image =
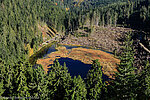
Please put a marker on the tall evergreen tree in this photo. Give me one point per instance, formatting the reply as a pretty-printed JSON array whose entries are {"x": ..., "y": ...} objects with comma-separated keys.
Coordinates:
[
  {"x": 20, "y": 86},
  {"x": 61, "y": 82},
  {"x": 7, "y": 77},
  {"x": 125, "y": 82},
  {"x": 94, "y": 81},
  {"x": 78, "y": 89},
  {"x": 2, "y": 71},
  {"x": 144, "y": 84},
  {"x": 39, "y": 83}
]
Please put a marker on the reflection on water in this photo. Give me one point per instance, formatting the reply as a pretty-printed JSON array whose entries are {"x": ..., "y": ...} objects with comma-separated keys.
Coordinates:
[
  {"x": 68, "y": 47},
  {"x": 50, "y": 49},
  {"x": 75, "y": 67}
]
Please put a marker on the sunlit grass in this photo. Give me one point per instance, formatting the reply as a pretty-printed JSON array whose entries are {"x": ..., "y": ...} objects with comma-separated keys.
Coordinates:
[{"x": 108, "y": 61}]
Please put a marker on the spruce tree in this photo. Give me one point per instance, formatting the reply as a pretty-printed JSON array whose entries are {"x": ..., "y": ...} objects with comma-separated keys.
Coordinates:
[
  {"x": 125, "y": 82},
  {"x": 7, "y": 79},
  {"x": 144, "y": 84},
  {"x": 2, "y": 71},
  {"x": 78, "y": 89},
  {"x": 20, "y": 86},
  {"x": 147, "y": 80},
  {"x": 94, "y": 81},
  {"x": 61, "y": 82},
  {"x": 38, "y": 85}
]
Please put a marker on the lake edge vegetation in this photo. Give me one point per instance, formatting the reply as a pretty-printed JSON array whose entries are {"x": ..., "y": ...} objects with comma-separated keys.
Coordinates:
[{"x": 19, "y": 36}]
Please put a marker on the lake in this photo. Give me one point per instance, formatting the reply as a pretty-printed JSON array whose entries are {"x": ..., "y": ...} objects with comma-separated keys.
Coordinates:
[{"x": 75, "y": 67}]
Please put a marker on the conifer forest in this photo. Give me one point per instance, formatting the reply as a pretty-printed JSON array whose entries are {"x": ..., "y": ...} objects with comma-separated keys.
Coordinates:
[{"x": 75, "y": 49}]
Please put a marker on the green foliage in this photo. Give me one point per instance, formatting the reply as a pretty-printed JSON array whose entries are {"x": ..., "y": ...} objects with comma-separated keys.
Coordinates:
[
  {"x": 78, "y": 91},
  {"x": 128, "y": 13},
  {"x": 125, "y": 83},
  {"x": 94, "y": 81},
  {"x": 6, "y": 78},
  {"x": 19, "y": 83},
  {"x": 144, "y": 83},
  {"x": 19, "y": 21},
  {"x": 38, "y": 85},
  {"x": 147, "y": 80},
  {"x": 61, "y": 82},
  {"x": 2, "y": 71}
]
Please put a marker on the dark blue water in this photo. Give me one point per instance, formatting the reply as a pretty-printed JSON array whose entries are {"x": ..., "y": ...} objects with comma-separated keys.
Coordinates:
[
  {"x": 70, "y": 47},
  {"x": 50, "y": 50},
  {"x": 76, "y": 68}
]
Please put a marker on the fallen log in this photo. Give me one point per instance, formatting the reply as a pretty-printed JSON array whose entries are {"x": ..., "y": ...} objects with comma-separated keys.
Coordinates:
[{"x": 144, "y": 47}]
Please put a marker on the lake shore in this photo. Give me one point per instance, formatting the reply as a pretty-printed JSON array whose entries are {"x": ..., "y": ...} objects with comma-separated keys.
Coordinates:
[{"x": 107, "y": 61}]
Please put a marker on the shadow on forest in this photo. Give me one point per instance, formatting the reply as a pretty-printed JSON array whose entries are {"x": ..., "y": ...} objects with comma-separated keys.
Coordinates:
[{"x": 76, "y": 67}]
